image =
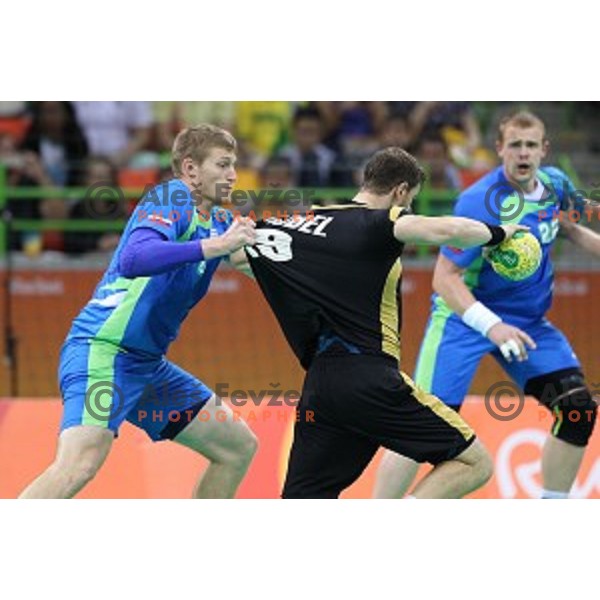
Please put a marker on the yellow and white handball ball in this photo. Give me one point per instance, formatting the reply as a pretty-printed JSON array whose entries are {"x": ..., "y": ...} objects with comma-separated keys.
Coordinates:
[{"x": 517, "y": 258}]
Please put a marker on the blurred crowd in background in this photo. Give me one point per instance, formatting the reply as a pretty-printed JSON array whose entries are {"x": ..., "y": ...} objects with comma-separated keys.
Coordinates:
[{"x": 281, "y": 144}]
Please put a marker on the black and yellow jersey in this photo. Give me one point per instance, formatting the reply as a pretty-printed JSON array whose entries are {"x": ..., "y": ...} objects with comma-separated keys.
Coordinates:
[{"x": 335, "y": 270}]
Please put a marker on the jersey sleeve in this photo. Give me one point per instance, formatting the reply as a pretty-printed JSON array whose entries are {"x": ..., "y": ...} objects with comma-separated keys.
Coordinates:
[
  {"x": 382, "y": 223},
  {"x": 164, "y": 210},
  {"x": 470, "y": 206},
  {"x": 146, "y": 253}
]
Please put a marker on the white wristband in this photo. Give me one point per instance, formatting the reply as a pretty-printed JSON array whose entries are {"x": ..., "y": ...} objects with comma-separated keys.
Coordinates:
[{"x": 480, "y": 318}]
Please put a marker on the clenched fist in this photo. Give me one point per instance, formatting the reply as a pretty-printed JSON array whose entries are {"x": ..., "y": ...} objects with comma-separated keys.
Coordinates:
[{"x": 241, "y": 233}]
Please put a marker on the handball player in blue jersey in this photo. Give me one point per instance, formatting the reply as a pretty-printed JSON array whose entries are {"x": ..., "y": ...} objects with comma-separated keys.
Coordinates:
[
  {"x": 476, "y": 312},
  {"x": 113, "y": 366}
]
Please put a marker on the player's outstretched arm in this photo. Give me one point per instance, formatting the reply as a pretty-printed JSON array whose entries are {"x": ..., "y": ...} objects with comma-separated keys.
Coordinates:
[
  {"x": 148, "y": 253},
  {"x": 582, "y": 236},
  {"x": 451, "y": 231}
]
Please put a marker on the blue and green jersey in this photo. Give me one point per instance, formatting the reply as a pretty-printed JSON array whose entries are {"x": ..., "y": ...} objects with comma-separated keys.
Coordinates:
[
  {"x": 492, "y": 200},
  {"x": 144, "y": 314}
]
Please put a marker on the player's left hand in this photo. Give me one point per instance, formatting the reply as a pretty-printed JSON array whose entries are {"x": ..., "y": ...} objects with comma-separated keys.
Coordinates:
[
  {"x": 241, "y": 233},
  {"x": 510, "y": 230},
  {"x": 512, "y": 341}
]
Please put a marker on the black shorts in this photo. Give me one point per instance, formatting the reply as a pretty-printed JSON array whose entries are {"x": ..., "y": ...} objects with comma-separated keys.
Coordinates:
[{"x": 352, "y": 405}]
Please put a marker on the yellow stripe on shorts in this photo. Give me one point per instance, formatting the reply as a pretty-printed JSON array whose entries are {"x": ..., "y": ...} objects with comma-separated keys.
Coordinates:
[{"x": 443, "y": 411}]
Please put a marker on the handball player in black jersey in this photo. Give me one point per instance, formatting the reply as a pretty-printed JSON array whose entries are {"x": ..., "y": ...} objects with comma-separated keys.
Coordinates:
[{"x": 332, "y": 278}]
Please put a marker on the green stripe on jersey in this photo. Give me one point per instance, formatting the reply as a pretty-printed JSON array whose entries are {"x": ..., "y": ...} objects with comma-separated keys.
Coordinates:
[
  {"x": 103, "y": 350},
  {"x": 431, "y": 345},
  {"x": 194, "y": 224}
]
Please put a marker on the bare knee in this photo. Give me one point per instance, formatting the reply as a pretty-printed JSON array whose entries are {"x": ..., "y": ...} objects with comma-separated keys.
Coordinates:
[
  {"x": 247, "y": 446},
  {"x": 86, "y": 470},
  {"x": 76, "y": 474},
  {"x": 241, "y": 452},
  {"x": 81, "y": 454}
]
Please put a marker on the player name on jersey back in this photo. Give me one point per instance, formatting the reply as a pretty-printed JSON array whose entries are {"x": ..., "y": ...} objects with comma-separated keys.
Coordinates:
[{"x": 311, "y": 224}]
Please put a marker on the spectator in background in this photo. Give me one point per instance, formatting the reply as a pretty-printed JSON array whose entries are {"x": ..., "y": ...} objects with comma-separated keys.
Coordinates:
[
  {"x": 454, "y": 121},
  {"x": 400, "y": 108},
  {"x": 352, "y": 127},
  {"x": 172, "y": 117},
  {"x": 310, "y": 160},
  {"x": 277, "y": 173},
  {"x": 14, "y": 163},
  {"x": 25, "y": 169},
  {"x": 116, "y": 130},
  {"x": 56, "y": 139},
  {"x": 264, "y": 126},
  {"x": 443, "y": 178},
  {"x": 396, "y": 132},
  {"x": 352, "y": 130},
  {"x": 97, "y": 170},
  {"x": 432, "y": 153}
]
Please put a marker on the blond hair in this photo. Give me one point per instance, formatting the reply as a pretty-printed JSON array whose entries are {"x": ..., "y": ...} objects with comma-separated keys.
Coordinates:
[
  {"x": 196, "y": 142},
  {"x": 523, "y": 120}
]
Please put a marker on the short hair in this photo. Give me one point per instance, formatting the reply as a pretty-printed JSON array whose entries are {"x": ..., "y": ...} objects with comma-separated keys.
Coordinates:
[
  {"x": 96, "y": 159},
  {"x": 277, "y": 162},
  {"x": 432, "y": 138},
  {"x": 196, "y": 142},
  {"x": 389, "y": 168},
  {"x": 523, "y": 120},
  {"x": 397, "y": 118},
  {"x": 306, "y": 113}
]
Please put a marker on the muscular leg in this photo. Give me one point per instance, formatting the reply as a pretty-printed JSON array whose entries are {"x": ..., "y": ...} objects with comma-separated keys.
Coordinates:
[
  {"x": 227, "y": 442},
  {"x": 441, "y": 437},
  {"x": 81, "y": 452},
  {"x": 552, "y": 374},
  {"x": 448, "y": 359},
  {"x": 565, "y": 393},
  {"x": 560, "y": 464},
  {"x": 458, "y": 477},
  {"x": 394, "y": 476}
]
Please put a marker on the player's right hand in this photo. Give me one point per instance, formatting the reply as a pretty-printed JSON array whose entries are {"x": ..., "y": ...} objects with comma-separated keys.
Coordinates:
[
  {"x": 510, "y": 230},
  {"x": 512, "y": 341},
  {"x": 241, "y": 233}
]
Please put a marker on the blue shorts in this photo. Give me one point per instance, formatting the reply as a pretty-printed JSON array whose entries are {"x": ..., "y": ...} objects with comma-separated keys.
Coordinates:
[
  {"x": 104, "y": 385},
  {"x": 451, "y": 352}
]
